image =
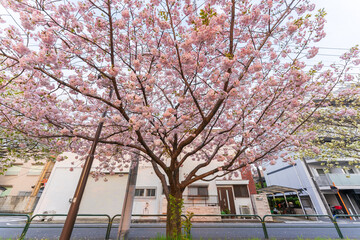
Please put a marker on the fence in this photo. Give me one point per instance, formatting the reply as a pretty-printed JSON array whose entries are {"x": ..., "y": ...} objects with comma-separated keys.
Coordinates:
[
  {"x": 110, "y": 220},
  {"x": 208, "y": 200}
]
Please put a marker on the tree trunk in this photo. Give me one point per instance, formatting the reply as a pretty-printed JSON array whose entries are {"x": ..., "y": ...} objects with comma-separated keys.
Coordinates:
[{"x": 173, "y": 215}]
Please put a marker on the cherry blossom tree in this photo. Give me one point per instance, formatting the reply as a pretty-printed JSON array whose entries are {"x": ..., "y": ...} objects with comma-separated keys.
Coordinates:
[{"x": 181, "y": 81}]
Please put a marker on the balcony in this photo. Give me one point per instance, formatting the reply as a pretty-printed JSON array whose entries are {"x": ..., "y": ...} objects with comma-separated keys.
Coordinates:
[
  {"x": 338, "y": 179},
  {"x": 206, "y": 200}
]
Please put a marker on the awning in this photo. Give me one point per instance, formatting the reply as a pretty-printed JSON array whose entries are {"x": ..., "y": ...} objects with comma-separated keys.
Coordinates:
[
  {"x": 274, "y": 189},
  {"x": 278, "y": 189}
]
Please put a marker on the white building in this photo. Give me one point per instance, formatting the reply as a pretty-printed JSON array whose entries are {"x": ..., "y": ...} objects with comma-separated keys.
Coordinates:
[{"x": 100, "y": 197}]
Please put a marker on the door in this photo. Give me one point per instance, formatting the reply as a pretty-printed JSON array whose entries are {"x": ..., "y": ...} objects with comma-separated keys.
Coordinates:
[{"x": 226, "y": 199}]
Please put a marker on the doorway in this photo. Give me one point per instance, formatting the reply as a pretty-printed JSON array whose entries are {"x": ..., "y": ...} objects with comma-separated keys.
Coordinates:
[{"x": 226, "y": 200}]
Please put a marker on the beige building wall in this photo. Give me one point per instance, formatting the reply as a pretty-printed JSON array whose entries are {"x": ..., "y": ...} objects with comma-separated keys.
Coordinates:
[
  {"x": 16, "y": 186},
  {"x": 20, "y": 178}
]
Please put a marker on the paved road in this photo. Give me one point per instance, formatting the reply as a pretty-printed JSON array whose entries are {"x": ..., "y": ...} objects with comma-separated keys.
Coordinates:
[{"x": 288, "y": 230}]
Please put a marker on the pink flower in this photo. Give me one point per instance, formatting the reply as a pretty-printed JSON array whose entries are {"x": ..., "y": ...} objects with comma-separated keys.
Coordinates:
[
  {"x": 125, "y": 13},
  {"x": 312, "y": 52},
  {"x": 292, "y": 28},
  {"x": 136, "y": 64},
  {"x": 114, "y": 71},
  {"x": 167, "y": 114},
  {"x": 21, "y": 49}
]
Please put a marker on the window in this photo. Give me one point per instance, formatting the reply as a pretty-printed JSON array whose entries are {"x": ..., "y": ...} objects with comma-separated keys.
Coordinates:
[
  {"x": 145, "y": 192},
  {"x": 5, "y": 191},
  {"x": 13, "y": 171},
  {"x": 35, "y": 170},
  {"x": 241, "y": 191},
  {"x": 320, "y": 171},
  {"x": 350, "y": 171},
  {"x": 201, "y": 191},
  {"x": 150, "y": 192},
  {"x": 139, "y": 192}
]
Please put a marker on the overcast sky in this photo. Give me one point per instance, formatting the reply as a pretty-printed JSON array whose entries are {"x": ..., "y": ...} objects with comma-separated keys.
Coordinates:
[
  {"x": 342, "y": 29},
  {"x": 343, "y": 22}
]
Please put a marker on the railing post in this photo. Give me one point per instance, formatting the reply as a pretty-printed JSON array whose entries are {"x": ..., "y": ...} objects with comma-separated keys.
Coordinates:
[
  {"x": 266, "y": 235},
  {"x": 337, "y": 226},
  {"x": 189, "y": 228},
  {"x": 26, "y": 227},
  {"x": 108, "y": 230}
]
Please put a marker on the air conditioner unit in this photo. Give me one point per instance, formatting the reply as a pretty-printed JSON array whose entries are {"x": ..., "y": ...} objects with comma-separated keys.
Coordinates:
[{"x": 244, "y": 209}]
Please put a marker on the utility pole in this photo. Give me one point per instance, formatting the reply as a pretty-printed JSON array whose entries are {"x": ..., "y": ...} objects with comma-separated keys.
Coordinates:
[
  {"x": 75, "y": 204},
  {"x": 125, "y": 219}
]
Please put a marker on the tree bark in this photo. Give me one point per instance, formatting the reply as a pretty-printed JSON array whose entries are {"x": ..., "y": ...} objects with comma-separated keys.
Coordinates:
[{"x": 173, "y": 215}]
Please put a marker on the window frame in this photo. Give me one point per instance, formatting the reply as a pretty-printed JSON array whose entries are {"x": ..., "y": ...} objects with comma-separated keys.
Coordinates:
[
  {"x": 321, "y": 170},
  {"x": 35, "y": 171},
  {"x": 146, "y": 192},
  {"x": 239, "y": 191},
  {"x": 198, "y": 194},
  {"x": 19, "y": 166}
]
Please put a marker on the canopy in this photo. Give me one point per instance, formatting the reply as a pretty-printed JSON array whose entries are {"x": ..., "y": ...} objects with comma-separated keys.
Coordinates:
[
  {"x": 281, "y": 189},
  {"x": 278, "y": 189}
]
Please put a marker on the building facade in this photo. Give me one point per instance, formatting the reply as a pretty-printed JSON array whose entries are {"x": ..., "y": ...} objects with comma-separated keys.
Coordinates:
[
  {"x": 21, "y": 185},
  {"x": 339, "y": 187},
  {"x": 214, "y": 197}
]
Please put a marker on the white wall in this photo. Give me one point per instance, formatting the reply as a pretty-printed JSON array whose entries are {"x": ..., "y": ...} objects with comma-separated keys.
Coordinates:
[
  {"x": 99, "y": 197},
  {"x": 148, "y": 179}
]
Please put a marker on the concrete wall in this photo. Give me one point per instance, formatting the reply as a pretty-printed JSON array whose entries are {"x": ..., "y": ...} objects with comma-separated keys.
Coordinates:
[
  {"x": 16, "y": 204},
  {"x": 261, "y": 205}
]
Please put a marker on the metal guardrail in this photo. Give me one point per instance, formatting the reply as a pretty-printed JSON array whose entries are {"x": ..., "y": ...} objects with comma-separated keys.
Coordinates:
[
  {"x": 28, "y": 220},
  {"x": 110, "y": 220},
  {"x": 331, "y": 218}
]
